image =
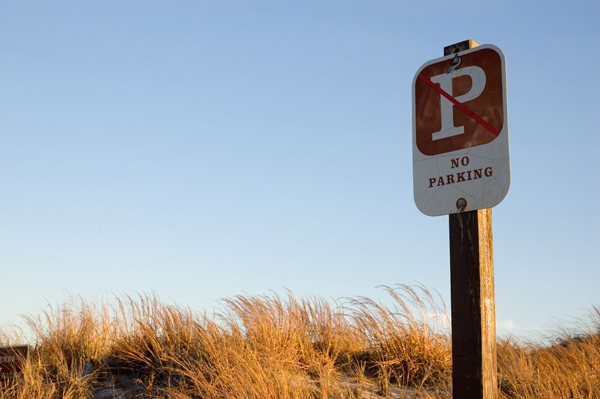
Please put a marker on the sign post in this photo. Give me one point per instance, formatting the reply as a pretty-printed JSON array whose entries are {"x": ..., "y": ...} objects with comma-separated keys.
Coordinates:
[
  {"x": 461, "y": 168},
  {"x": 474, "y": 370}
]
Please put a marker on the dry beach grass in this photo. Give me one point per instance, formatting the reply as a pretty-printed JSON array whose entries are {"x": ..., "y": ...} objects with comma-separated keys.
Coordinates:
[{"x": 280, "y": 347}]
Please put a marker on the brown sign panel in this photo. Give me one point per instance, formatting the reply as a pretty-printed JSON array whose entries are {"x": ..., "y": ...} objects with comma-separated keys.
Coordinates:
[
  {"x": 430, "y": 118},
  {"x": 12, "y": 360}
]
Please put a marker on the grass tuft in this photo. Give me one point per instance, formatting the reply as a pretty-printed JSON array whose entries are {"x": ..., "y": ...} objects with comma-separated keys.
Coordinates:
[
  {"x": 261, "y": 347},
  {"x": 567, "y": 368}
]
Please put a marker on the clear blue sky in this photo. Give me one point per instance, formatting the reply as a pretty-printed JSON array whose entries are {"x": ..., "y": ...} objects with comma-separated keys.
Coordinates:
[{"x": 204, "y": 149}]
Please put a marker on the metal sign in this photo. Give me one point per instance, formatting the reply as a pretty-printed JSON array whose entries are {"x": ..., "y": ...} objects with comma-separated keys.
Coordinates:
[
  {"x": 460, "y": 132},
  {"x": 12, "y": 360}
]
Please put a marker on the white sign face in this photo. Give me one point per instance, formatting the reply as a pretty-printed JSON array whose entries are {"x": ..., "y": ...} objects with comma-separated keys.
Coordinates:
[{"x": 460, "y": 132}]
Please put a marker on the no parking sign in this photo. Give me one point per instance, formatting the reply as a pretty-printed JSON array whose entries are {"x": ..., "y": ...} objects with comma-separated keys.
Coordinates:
[{"x": 460, "y": 132}]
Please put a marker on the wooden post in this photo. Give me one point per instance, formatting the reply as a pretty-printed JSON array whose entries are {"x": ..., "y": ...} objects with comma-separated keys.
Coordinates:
[
  {"x": 474, "y": 362},
  {"x": 474, "y": 370}
]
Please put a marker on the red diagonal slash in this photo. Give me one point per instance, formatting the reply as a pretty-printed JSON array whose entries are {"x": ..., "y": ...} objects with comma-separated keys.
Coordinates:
[{"x": 459, "y": 105}]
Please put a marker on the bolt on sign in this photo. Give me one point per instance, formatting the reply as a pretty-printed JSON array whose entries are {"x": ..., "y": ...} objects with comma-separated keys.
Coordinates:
[
  {"x": 12, "y": 361},
  {"x": 460, "y": 132}
]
